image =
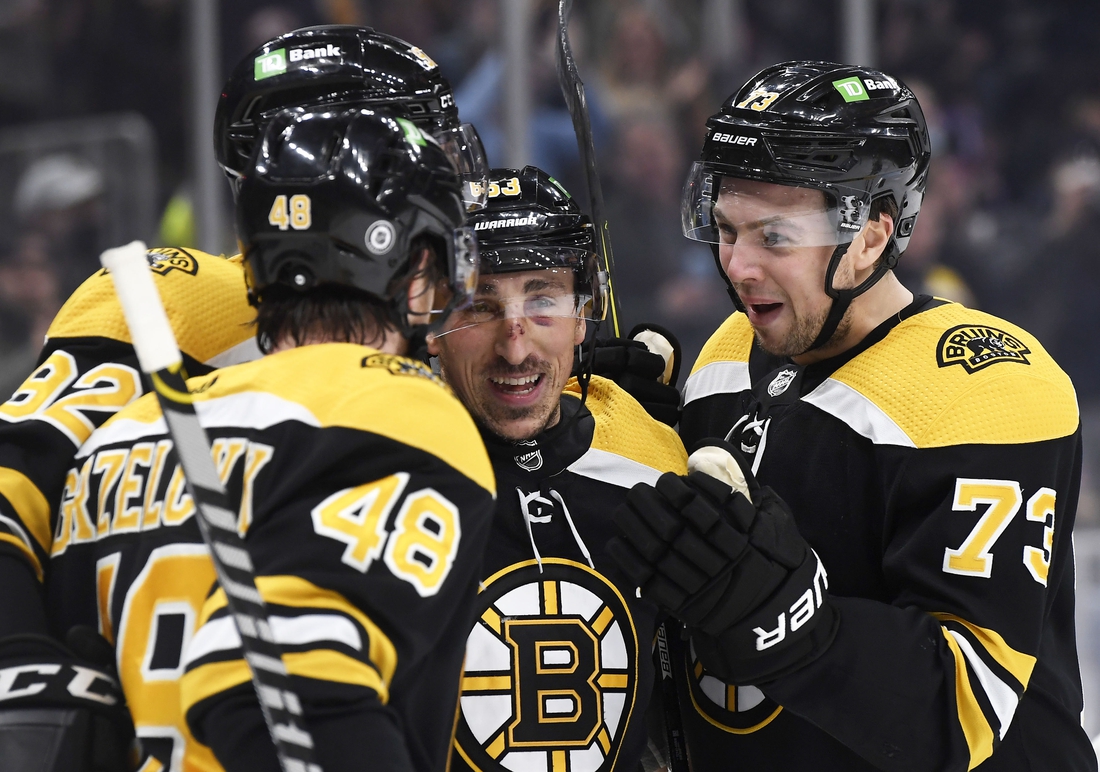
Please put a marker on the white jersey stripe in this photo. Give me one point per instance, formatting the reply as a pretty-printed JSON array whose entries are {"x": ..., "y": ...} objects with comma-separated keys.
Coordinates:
[
  {"x": 245, "y": 410},
  {"x": 245, "y": 351},
  {"x": 717, "y": 378},
  {"x": 861, "y": 414},
  {"x": 1001, "y": 696},
  {"x": 613, "y": 468},
  {"x": 221, "y": 634}
]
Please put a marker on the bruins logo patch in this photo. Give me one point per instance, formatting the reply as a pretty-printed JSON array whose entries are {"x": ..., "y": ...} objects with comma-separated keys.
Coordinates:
[
  {"x": 734, "y": 709},
  {"x": 166, "y": 259},
  {"x": 976, "y": 347},
  {"x": 401, "y": 366},
  {"x": 551, "y": 670}
]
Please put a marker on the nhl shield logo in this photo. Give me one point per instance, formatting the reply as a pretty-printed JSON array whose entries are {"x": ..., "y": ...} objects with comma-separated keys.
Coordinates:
[
  {"x": 531, "y": 460},
  {"x": 976, "y": 347},
  {"x": 780, "y": 383}
]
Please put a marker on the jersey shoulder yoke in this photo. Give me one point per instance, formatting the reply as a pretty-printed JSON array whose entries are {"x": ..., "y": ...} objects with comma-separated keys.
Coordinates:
[
  {"x": 952, "y": 375},
  {"x": 204, "y": 296}
]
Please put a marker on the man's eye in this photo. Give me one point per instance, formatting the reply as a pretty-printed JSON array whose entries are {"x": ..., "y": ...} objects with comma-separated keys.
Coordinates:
[
  {"x": 483, "y": 307},
  {"x": 775, "y": 239},
  {"x": 728, "y": 233}
]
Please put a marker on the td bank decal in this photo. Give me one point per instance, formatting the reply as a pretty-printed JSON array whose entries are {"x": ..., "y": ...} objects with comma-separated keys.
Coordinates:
[
  {"x": 975, "y": 347},
  {"x": 550, "y": 675}
]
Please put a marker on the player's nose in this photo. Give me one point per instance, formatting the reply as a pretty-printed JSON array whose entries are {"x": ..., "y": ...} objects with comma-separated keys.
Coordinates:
[
  {"x": 513, "y": 343},
  {"x": 740, "y": 263}
]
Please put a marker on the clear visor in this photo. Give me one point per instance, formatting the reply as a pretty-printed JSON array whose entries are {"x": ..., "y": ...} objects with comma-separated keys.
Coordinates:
[
  {"x": 467, "y": 260},
  {"x": 719, "y": 209},
  {"x": 538, "y": 301},
  {"x": 463, "y": 146}
]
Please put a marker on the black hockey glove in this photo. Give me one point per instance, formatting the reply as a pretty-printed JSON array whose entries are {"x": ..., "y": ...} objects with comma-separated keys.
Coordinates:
[
  {"x": 60, "y": 712},
  {"x": 750, "y": 590},
  {"x": 645, "y": 365}
]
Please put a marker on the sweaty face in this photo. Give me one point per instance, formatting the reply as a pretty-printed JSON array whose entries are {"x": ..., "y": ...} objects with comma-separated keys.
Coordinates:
[
  {"x": 510, "y": 354},
  {"x": 775, "y": 242}
]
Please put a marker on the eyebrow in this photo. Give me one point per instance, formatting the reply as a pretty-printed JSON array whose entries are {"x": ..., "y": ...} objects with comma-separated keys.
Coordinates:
[
  {"x": 753, "y": 224},
  {"x": 531, "y": 285}
]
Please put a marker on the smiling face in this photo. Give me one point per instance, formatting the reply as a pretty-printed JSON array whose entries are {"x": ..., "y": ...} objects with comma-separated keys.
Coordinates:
[
  {"x": 775, "y": 245},
  {"x": 510, "y": 354}
]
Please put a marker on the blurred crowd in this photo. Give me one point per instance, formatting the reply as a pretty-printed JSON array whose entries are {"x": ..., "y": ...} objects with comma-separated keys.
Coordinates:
[{"x": 1011, "y": 90}]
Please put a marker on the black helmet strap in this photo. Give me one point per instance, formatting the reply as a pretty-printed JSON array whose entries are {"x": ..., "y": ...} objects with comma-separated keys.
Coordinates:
[{"x": 842, "y": 298}]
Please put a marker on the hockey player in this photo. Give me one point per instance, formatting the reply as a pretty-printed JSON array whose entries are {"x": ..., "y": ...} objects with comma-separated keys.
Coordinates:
[
  {"x": 558, "y": 667},
  {"x": 87, "y": 370},
  {"x": 899, "y": 595},
  {"x": 365, "y": 493}
]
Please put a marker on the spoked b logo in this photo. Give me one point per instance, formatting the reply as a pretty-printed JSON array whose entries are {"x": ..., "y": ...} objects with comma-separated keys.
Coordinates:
[{"x": 550, "y": 671}]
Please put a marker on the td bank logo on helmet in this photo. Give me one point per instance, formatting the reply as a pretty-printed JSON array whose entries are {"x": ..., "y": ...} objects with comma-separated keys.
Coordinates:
[
  {"x": 855, "y": 89},
  {"x": 509, "y": 222},
  {"x": 275, "y": 62}
]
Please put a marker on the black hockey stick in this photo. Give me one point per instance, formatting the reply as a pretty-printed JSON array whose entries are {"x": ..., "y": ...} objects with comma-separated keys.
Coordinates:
[
  {"x": 572, "y": 88},
  {"x": 159, "y": 356},
  {"x": 670, "y": 702}
]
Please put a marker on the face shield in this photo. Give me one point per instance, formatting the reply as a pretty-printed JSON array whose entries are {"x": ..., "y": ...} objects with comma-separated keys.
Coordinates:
[
  {"x": 725, "y": 210},
  {"x": 463, "y": 146},
  {"x": 543, "y": 297}
]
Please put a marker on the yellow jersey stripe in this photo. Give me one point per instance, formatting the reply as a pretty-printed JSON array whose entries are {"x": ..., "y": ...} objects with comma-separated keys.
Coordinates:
[
  {"x": 328, "y": 665},
  {"x": 625, "y": 429},
  {"x": 29, "y": 503},
  {"x": 1015, "y": 662},
  {"x": 296, "y": 592},
  {"x": 975, "y": 726},
  {"x": 212, "y": 678}
]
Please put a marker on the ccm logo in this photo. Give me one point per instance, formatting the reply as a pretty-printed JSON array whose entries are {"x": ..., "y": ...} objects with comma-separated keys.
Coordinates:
[
  {"x": 734, "y": 139},
  {"x": 801, "y": 612}
]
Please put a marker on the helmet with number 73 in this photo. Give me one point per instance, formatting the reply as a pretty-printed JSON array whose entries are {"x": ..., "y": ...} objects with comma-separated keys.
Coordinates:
[
  {"x": 855, "y": 134},
  {"x": 346, "y": 197}
]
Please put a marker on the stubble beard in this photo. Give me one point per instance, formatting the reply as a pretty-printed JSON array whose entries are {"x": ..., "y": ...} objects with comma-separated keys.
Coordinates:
[{"x": 804, "y": 332}]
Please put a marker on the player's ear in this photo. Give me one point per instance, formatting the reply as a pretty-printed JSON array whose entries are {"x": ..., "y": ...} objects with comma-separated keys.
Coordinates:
[
  {"x": 874, "y": 237},
  {"x": 434, "y": 349}
]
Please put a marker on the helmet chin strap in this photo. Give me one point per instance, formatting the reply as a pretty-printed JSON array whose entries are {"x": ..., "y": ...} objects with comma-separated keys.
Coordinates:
[{"x": 842, "y": 298}]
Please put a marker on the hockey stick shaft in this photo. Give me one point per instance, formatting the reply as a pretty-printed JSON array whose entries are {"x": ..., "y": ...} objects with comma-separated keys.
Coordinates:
[
  {"x": 670, "y": 702},
  {"x": 572, "y": 88},
  {"x": 159, "y": 356}
]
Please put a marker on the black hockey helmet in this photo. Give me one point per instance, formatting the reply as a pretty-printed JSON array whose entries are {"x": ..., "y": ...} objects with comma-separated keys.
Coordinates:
[
  {"x": 344, "y": 65},
  {"x": 339, "y": 196},
  {"x": 854, "y": 133},
  {"x": 530, "y": 222}
]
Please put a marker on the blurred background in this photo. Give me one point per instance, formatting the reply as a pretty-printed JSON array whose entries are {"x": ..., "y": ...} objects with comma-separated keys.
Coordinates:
[{"x": 106, "y": 112}]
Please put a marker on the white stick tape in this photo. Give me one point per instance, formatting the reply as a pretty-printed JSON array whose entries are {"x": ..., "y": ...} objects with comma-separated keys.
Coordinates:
[{"x": 149, "y": 328}]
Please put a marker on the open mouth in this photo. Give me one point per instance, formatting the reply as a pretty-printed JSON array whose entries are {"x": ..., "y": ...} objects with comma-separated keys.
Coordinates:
[
  {"x": 763, "y": 312},
  {"x": 516, "y": 386}
]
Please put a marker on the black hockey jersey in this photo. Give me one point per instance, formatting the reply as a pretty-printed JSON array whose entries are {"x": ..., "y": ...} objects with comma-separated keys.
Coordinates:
[
  {"x": 365, "y": 497},
  {"x": 88, "y": 370},
  {"x": 558, "y": 667},
  {"x": 935, "y": 470}
]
